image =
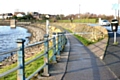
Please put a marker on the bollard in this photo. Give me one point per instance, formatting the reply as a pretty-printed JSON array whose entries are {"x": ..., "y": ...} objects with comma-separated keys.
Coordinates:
[
  {"x": 20, "y": 53},
  {"x": 54, "y": 48},
  {"x": 46, "y": 58}
]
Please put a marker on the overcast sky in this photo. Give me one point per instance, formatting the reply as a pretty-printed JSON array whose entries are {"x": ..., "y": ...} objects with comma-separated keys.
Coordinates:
[{"x": 58, "y": 6}]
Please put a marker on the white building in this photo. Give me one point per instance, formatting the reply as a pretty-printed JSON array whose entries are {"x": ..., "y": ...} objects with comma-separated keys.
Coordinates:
[{"x": 19, "y": 15}]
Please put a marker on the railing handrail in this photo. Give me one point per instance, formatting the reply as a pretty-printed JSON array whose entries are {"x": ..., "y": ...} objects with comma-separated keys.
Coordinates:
[
  {"x": 9, "y": 71},
  {"x": 10, "y": 51},
  {"x": 34, "y": 44},
  {"x": 56, "y": 52}
]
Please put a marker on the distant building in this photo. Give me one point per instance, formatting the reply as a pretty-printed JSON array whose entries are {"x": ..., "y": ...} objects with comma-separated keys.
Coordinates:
[
  {"x": 19, "y": 14},
  {"x": 1, "y": 16},
  {"x": 6, "y": 15},
  {"x": 35, "y": 14}
]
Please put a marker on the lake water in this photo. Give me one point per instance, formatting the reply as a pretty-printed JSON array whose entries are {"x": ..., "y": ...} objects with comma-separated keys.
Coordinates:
[{"x": 8, "y": 37}]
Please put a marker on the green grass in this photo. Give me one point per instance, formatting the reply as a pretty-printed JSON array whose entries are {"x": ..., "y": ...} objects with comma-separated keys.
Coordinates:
[
  {"x": 83, "y": 40},
  {"x": 74, "y": 21},
  {"x": 79, "y": 21},
  {"x": 115, "y": 43},
  {"x": 69, "y": 30},
  {"x": 29, "y": 69}
]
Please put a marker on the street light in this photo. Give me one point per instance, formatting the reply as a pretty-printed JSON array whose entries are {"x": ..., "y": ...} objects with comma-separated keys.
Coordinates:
[
  {"x": 118, "y": 10},
  {"x": 47, "y": 24},
  {"x": 79, "y": 12}
]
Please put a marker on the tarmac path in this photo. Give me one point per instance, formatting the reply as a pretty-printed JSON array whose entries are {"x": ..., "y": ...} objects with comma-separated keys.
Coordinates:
[
  {"x": 84, "y": 65},
  {"x": 112, "y": 56}
]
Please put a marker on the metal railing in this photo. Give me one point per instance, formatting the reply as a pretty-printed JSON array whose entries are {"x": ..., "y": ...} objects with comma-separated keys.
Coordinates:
[{"x": 58, "y": 41}]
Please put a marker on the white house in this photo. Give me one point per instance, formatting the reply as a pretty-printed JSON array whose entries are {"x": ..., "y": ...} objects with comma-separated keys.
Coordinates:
[
  {"x": 1, "y": 16},
  {"x": 6, "y": 15},
  {"x": 19, "y": 15}
]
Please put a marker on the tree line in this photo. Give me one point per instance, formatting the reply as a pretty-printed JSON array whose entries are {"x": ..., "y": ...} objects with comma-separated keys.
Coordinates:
[{"x": 54, "y": 18}]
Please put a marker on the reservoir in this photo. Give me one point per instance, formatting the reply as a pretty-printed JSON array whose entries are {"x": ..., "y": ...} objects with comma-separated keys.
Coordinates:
[{"x": 8, "y": 37}]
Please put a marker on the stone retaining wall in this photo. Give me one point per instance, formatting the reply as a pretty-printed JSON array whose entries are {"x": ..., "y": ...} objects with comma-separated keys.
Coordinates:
[
  {"x": 37, "y": 34},
  {"x": 95, "y": 33}
]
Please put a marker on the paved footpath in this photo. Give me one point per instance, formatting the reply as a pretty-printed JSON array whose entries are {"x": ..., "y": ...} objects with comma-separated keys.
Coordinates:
[
  {"x": 112, "y": 57},
  {"x": 84, "y": 65},
  {"x": 81, "y": 64}
]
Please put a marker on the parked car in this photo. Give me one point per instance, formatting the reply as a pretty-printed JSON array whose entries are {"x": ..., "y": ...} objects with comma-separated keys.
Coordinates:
[{"x": 105, "y": 23}]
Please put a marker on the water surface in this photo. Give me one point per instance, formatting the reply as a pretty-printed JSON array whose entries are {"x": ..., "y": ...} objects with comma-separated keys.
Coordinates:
[{"x": 8, "y": 37}]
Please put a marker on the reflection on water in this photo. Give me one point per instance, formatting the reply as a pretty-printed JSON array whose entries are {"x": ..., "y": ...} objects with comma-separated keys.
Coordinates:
[{"x": 9, "y": 35}]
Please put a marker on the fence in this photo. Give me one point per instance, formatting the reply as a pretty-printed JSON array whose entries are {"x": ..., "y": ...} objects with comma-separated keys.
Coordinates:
[{"x": 52, "y": 46}]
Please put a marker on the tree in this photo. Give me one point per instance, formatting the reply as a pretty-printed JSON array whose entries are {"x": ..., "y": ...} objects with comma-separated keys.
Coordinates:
[
  {"x": 43, "y": 17},
  {"x": 57, "y": 17},
  {"x": 14, "y": 17},
  {"x": 28, "y": 17}
]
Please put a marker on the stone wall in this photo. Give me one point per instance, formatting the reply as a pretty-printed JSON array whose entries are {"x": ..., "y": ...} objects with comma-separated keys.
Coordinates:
[
  {"x": 93, "y": 33},
  {"x": 37, "y": 34}
]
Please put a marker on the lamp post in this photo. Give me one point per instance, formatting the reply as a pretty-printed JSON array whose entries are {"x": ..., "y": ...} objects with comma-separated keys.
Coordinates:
[
  {"x": 79, "y": 12},
  {"x": 47, "y": 24},
  {"x": 118, "y": 10},
  {"x": 115, "y": 7}
]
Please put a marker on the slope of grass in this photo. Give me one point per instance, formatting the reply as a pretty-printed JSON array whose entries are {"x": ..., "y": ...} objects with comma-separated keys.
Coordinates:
[
  {"x": 29, "y": 69},
  {"x": 83, "y": 40}
]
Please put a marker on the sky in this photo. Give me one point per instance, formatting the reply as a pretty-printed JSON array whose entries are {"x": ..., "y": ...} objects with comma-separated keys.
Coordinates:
[{"x": 59, "y": 6}]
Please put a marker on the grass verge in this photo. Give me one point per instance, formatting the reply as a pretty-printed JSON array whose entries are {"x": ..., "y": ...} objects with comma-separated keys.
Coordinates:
[
  {"x": 83, "y": 40},
  {"x": 79, "y": 21},
  {"x": 29, "y": 69}
]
